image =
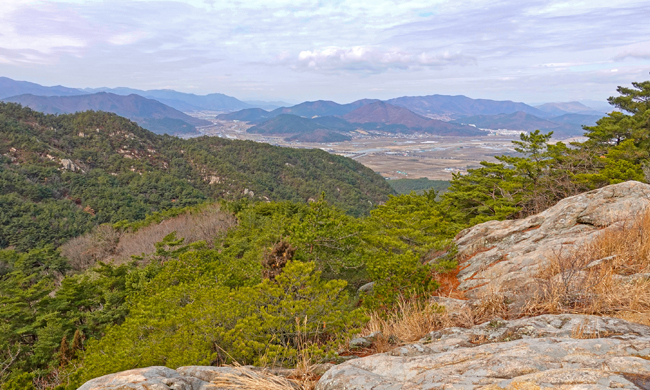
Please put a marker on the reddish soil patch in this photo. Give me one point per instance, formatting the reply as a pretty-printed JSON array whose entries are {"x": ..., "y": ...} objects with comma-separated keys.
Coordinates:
[{"x": 449, "y": 284}]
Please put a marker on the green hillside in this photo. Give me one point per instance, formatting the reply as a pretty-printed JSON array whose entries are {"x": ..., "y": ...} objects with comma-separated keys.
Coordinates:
[
  {"x": 61, "y": 175},
  {"x": 405, "y": 186}
]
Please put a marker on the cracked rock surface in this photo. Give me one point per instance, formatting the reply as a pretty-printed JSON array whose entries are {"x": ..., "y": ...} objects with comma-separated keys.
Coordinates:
[
  {"x": 507, "y": 254},
  {"x": 160, "y": 378},
  {"x": 531, "y": 353}
]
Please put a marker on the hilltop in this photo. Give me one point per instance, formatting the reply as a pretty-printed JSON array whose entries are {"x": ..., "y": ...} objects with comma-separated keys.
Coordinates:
[
  {"x": 297, "y": 128},
  {"x": 557, "y": 109},
  {"x": 93, "y": 167}
]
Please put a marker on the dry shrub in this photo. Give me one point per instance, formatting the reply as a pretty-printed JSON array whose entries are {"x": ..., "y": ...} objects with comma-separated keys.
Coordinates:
[
  {"x": 259, "y": 380},
  {"x": 599, "y": 278},
  {"x": 86, "y": 250},
  {"x": 413, "y": 319},
  {"x": 409, "y": 321},
  {"x": 205, "y": 225},
  {"x": 491, "y": 304},
  {"x": 105, "y": 243}
]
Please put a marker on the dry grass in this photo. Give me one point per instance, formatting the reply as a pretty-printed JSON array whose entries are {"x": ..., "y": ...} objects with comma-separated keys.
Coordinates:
[
  {"x": 408, "y": 322},
  {"x": 600, "y": 277},
  {"x": 107, "y": 244},
  {"x": 259, "y": 380}
]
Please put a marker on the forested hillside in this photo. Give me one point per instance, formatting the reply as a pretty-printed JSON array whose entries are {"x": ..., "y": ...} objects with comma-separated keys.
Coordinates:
[
  {"x": 272, "y": 284},
  {"x": 61, "y": 175}
]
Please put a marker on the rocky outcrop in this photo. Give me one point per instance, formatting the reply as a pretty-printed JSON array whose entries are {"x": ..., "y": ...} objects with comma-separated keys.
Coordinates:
[
  {"x": 160, "y": 378},
  {"x": 186, "y": 378},
  {"x": 506, "y": 255},
  {"x": 551, "y": 351}
]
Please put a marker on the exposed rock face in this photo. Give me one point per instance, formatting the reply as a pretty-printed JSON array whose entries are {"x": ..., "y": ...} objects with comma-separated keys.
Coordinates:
[
  {"x": 183, "y": 378},
  {"x": 510, "y": 355},
  {"x": 160, "y": 378},
  {"x": 507, "y": 254}
]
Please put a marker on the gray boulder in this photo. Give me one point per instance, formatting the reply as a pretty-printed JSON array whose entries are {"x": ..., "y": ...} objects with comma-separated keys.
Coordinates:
[
  {"x": 162, "y": 378},
  {"x": 150, "y": 378}
]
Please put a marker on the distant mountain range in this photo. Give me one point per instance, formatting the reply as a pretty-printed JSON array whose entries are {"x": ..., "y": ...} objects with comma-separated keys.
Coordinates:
[
  {"x": 328, "y": 120},
  {"x": 460, "y": 106},
  {"x": 182, "y": 101},
  {"x": 148, "y": 113},
  {"x": 405, "y": 115},
  {"x": 178, "y": 100},
  {"x": 9, "y": 88},
  {"x": 362, "y": 115}
]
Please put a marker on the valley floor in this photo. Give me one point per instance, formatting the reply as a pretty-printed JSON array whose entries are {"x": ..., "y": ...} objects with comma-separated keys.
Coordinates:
[{"x": 394, "y": 156}]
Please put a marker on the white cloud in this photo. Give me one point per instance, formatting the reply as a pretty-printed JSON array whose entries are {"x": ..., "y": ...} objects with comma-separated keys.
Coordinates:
[
  {"x": 373, "y": 60},
  {"x": 640, "y": 50},
  {"x": 336, "y": 49}
]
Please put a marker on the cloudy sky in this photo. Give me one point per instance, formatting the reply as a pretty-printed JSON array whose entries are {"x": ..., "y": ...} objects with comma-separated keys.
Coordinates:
[{"x": 295, "y": 50}]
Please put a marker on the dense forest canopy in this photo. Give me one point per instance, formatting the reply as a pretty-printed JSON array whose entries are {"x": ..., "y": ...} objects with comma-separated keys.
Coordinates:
[
  {"x": 284, "y": 269},
  {"x": 61, "y": 175}
]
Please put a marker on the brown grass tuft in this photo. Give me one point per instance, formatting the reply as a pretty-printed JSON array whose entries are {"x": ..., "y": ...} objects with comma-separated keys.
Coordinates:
[
  {"x": 409, "y": 321},
  {"x": 608, "y": 276},
  {"x": 259, "y": 380}
]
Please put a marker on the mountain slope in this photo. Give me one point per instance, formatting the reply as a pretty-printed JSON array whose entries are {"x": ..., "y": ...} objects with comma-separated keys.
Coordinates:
[
  {"x": 321, "y": 108},
  {"x": 62, "y": 175},
  {"x": 149, "y": 113},
  {"x": 285, "y": 124},
  {"x": 9, "y": 87},
  {"x": 382, "y": 114},
  {"x": 457, "y": 106},
  {"x": 247, "y": 115},
  {"x": 515, "y": 121},
  {"x": 565, "y": 126},
  {"x": 557, "y": 109},
  {"x": 577, "y": 119},
  {"x": 182, "y": 101},
  {"x": 297, "y": 128}
]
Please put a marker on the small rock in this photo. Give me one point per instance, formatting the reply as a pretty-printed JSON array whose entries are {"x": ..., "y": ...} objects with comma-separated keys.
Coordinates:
[
  {"x": 360, "y": 342},
  {"x": 320, "y": 369},
  {"x": 367, "y": 288}
]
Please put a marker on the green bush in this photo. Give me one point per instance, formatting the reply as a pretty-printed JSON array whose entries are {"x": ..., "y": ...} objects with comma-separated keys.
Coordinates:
[{"x": 202, "y": 323}]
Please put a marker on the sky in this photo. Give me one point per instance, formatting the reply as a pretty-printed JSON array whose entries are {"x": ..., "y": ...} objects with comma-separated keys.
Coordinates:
[{"x": 295, "y": 50}]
